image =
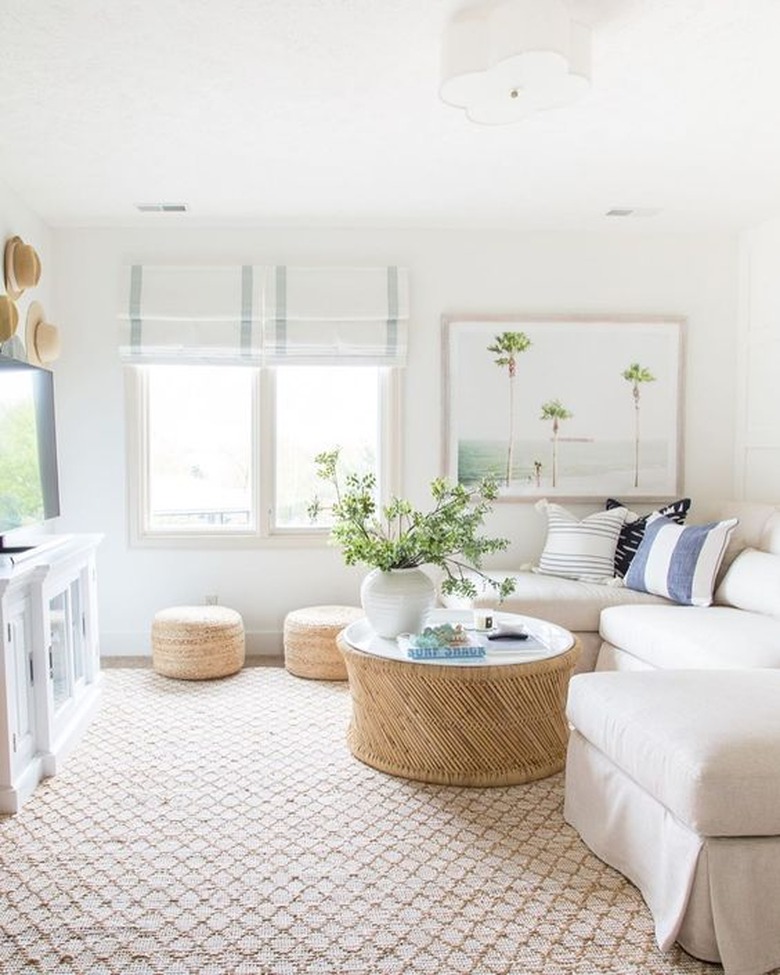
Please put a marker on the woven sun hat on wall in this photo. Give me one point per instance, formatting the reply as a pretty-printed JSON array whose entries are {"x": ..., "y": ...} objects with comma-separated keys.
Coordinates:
[
  {"x": 9, "y": 318},
  {"x": 41, "y": 337},
  {"x": 22, "y": 267}
]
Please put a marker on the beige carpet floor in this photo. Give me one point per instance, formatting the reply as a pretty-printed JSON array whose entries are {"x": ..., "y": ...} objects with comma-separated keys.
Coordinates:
[{"x": 223, "y": 827}]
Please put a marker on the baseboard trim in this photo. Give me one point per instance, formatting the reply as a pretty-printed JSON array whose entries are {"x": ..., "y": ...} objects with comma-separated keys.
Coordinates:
[
  {"x": 259, "y": 643},
  {"x": 127, "y": 661}
]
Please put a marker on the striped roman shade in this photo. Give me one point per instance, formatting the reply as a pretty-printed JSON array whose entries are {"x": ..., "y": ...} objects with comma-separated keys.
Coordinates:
[
  {"x": 319, "y": 315},
  {"x": 267, "y": 315},
  {"x": 578, "y": 548},
  {"x": 208, "y": 314}
]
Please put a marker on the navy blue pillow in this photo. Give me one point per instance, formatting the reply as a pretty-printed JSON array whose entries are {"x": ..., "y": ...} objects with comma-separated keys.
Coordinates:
[{"x": 631, "y": 534}]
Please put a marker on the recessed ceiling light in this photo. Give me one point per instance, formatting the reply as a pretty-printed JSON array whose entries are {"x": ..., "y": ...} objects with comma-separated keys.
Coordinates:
[{"x": 162, "y": 207}]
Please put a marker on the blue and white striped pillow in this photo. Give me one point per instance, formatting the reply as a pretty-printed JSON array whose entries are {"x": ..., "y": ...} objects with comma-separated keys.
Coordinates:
[
  {"x": 580, "y": 549},
  {"x": 679, "y": 563}
]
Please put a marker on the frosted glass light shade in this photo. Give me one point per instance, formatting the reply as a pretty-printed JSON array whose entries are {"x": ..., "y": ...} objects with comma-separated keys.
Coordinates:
[{"x": 504, "y": 60}]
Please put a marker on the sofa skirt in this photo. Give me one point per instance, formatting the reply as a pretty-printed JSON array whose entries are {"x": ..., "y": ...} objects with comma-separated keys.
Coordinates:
[{"x": 717, "y": 897}]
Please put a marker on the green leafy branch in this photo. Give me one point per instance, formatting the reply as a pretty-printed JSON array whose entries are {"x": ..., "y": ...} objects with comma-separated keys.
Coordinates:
[{"x": 398, "y": 536}]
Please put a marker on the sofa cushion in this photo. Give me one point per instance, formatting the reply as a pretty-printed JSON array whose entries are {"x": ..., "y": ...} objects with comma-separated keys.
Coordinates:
[
  {"x": 577, "y": 548},
  {"x": 573, "y": 605},
  {"x": 682, "y": 637},
  {"x": 679, "y": 563},
  {"x": 758, "y": 527},
  {"x": 704, "y": 744},
  {"x": 633, "y": 530},
  {"x": 752, "y": 583},
  {"x": 770, "y": 536}
]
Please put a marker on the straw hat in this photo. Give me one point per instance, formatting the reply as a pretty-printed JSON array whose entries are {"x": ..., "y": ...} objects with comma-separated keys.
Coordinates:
[
  {"x": 22, "y": 267},
  {"x": 41, "y": 337},
  {"x": 9, "y": 318}
]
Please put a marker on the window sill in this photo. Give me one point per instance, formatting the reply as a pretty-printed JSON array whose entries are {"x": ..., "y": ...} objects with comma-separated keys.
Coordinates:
[{"x": 286, "y": 540}]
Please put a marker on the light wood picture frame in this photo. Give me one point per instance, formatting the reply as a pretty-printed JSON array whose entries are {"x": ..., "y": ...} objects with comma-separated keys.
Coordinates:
[{"x": 581, "y": 407}]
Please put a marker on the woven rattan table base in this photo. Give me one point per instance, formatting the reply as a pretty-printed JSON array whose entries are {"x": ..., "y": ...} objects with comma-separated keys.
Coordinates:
[{"x": 459, "y": 725}]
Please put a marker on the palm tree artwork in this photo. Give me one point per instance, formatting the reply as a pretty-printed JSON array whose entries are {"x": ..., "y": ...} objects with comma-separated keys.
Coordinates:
[
  {"x": 636, "y": 375},
  {"x": 506, "y": 348},
  {"x": 554, "y": 410}
]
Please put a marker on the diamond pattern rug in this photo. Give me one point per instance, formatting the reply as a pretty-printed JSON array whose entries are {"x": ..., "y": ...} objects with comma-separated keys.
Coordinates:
[{"x": 223, "y": 827}]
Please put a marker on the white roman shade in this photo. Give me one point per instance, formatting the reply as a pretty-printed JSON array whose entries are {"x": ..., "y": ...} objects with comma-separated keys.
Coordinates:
[
  {"x": 336, "y": 316},
  {"x": 192, "y": 313},
  {"x": 260, "y": 314}
]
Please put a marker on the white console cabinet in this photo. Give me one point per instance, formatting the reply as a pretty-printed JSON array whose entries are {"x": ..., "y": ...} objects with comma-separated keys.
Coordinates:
[{"x": 51, "y": 661}]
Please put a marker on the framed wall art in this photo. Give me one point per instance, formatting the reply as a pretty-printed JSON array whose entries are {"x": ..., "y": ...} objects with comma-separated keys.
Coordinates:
[{"x": 572, "y": 407}]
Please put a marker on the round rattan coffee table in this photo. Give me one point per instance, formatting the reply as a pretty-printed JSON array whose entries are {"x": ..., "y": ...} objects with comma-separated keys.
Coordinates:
[{"x": 494, "y": 721}]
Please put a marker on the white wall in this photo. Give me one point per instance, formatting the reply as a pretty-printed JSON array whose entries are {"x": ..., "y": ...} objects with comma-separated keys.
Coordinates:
[
  {"x": 450, "y": 272},
  {"x": 757, "y": 455},
  {"x": 18, "y": 220}
]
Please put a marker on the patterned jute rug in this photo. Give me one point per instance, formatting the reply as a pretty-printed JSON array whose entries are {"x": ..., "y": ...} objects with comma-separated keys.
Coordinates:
[{"x": 223, "y": 827}]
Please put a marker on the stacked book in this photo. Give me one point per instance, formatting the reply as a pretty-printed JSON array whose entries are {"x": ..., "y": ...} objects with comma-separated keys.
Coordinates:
[
  {"x": 459, "y": 652},
  {"x": 444, "y": 642}
]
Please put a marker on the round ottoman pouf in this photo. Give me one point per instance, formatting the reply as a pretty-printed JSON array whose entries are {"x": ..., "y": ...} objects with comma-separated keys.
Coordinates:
[
  {"x": 310, "y": 641},
  {"x": 197, "y": 642}
]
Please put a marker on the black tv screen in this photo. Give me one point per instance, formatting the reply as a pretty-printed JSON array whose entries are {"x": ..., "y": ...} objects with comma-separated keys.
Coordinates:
[{"x": 29, "y": 483}]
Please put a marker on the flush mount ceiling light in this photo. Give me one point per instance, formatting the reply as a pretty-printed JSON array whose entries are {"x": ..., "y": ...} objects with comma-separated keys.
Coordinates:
[{"x": 504, "y": 60}]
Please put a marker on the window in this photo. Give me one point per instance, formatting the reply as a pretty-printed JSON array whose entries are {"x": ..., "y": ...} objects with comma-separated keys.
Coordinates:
[
  {"x": 318, "y": 408},
  {"x": 227, "y": 452},
  {"x": 199, "y": 450}
]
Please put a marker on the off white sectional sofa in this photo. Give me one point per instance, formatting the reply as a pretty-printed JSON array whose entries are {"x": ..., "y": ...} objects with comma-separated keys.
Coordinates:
[
  {"x": 740, "y": 630},
  {"x": 623, "y": 629},
  {"x": 673, "y": 768},
  {"x": 673, "y": 778}
]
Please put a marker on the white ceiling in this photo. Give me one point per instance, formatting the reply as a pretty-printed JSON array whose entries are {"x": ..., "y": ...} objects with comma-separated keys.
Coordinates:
[{"x": 325, "y": 112}]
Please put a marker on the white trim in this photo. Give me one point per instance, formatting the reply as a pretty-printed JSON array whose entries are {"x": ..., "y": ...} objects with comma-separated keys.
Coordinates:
[
  {"x": 391, "y": 420},
  {"x": 136, "y": 433},
  {"x": 268, "y": 450}
]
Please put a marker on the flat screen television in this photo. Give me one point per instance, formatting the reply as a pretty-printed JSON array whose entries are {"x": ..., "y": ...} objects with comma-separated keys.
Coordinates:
[{"x": 29, "y": 482}]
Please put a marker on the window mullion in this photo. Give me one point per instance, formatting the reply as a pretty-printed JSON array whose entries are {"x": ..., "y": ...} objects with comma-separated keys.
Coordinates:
[
  {"x": 265, "y": 449},
  {"x": 137, "y": 432},
  {"x": 390, "y": 423}
]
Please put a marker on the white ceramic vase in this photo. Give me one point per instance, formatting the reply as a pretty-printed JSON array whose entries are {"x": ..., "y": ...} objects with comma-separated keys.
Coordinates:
[{"x": 397, "y": 601}]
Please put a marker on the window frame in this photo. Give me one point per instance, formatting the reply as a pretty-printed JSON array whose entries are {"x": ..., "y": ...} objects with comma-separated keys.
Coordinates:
[{"x": 265, "y": 533}]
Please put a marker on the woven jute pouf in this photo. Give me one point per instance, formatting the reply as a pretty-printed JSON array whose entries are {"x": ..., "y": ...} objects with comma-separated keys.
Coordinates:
[
  {"x": 310, "y": 641},
  {"x": 197, "y": 642}
]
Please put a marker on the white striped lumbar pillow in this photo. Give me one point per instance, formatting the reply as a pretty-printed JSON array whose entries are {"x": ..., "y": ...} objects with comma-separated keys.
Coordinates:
[
  {"x": 679, "y": 563},
  {"x": 580, "y": 549}
]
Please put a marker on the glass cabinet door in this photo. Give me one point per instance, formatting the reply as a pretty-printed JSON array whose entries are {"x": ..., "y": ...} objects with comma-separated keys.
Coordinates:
[
  {"x": 67, "y": 657},
  {"x": 61, "y": 628},
  {"x": 78, "y": 635}
]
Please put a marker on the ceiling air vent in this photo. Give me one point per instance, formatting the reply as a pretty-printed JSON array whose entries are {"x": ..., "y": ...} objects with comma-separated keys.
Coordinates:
[
  {"x": 633, "y": 212},
  {"x": 161, "y": 207}
]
